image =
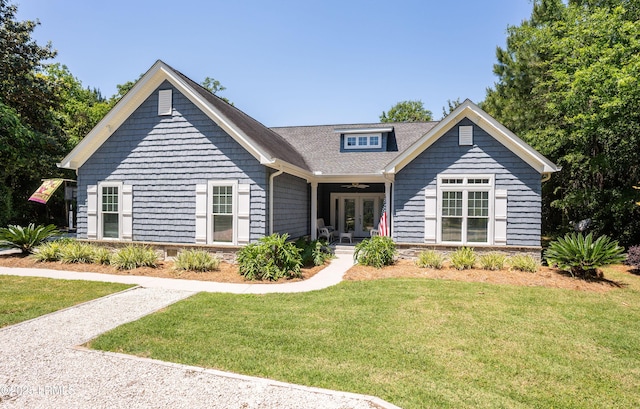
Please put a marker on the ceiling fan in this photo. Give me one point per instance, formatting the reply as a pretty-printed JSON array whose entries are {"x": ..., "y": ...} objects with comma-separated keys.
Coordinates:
[{"x": 356, "y": 185}]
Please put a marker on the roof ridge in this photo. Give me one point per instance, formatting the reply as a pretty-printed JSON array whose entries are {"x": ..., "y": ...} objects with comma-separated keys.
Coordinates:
[{"x": 355, "y": 124}]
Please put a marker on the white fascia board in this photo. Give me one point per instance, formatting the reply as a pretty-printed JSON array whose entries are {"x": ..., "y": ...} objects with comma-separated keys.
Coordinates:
[
  {"x": 363, "y": 130},
  {"x": 294, "y": 170},
  {"x": 470, "y": 110}
]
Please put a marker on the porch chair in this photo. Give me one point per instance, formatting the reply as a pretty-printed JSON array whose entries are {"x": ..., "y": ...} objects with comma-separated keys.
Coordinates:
[{"x": 325, "y": 231}]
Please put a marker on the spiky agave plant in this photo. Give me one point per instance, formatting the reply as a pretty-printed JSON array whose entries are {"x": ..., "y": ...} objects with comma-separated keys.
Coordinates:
[
  {"x": 582, "y": 256},
  {"x": 26, "y": 238}
]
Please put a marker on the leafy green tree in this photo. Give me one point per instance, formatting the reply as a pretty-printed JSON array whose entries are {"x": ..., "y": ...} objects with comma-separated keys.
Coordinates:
[
  {"x": 214, "y": 86},
  {"x": 407, "y": 111},
  {"x": 451, "y": 106},
  {"x": 568, "y": 85},
  {"x": 31, "y": 137}
]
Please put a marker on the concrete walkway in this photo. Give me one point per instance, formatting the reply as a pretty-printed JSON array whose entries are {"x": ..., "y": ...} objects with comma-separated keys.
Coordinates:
[{"x": 327, "y": 277}]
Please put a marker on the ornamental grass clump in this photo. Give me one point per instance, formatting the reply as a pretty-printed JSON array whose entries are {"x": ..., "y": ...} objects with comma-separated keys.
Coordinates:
[
  {"x": 524, "y": 263},
  {"x": 463, "y": 258},
  {"x": 430, "y": 259},
  {"x": 582, "y": 256},
  {"x": 196, "y": 260},
  {"x": 49, "y": 251},
  {"x": 77, "y": 252},
  {"x": 492, "y": 261},
  {"x": 26, "y": 239},
  {"x": 270, "y": 258},
  {"x": 132, "y": 256},
  {"x": 378, "y": 251}
]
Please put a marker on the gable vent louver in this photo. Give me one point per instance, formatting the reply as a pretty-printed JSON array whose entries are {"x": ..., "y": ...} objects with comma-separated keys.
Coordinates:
[
  {"x": 164, "y": 102},
  {"x": 465, "y": 135}
]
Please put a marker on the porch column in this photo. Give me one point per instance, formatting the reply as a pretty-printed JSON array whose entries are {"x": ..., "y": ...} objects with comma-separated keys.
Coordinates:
[
  {"x": 387, "y": 200},
  {"x": 314, "y": 210}
]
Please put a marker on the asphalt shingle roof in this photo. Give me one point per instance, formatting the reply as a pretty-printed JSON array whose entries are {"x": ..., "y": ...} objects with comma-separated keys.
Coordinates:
[{"x": 320, "y": 146}]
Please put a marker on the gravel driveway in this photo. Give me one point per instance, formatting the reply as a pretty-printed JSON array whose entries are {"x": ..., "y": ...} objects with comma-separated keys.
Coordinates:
[{"x": 42, "y": 367}]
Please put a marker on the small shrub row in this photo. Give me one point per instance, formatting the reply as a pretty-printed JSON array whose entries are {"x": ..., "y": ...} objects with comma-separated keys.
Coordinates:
[
  {"x": 465, "y": 258},
  {"x": 72, "y": 251}
]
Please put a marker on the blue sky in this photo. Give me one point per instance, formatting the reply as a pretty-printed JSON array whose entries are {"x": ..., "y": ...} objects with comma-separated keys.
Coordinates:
[{"x": 289, "y": 62}]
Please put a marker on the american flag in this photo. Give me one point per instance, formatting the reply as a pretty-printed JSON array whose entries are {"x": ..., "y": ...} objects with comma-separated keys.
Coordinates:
[{"x": 382, "y": 226}]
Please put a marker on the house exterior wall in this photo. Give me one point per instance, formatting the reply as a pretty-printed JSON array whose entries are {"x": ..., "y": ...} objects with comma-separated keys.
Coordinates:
[
  {"x": 486, "y": 156},
  {"x": 163, "y": 158},
  {"x": 291, "y": 205}
]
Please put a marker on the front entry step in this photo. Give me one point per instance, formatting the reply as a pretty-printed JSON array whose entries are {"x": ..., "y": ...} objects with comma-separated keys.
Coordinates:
[{"x": 343, "y": 248}]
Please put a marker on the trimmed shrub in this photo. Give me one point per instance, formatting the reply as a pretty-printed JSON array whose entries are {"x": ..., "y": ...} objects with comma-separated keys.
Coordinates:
[
  {"x": 271, "y": 258},
  {"x": 463, "y": 258},
  {"x": 430, "y": 259},
  {"x": 77, "y": 252},
  {"x": 492, "y": 261},
  {"x": 582, "y": 256},
  {"x": 132, "y": 256},
  {"x": 524, "y": 263},
  {"x": 196, "y": 260},
  {"x": 26, "y": 239},
  {"x": 314, "y": 253},
  {"x": 378, "y": 251},
  {"x": 633, "y": 257}
]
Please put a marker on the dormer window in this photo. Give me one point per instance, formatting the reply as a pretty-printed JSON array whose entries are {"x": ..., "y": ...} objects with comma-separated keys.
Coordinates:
[
  {"x": 363, "y": 138},
  {"x": 368, "y": 141}
]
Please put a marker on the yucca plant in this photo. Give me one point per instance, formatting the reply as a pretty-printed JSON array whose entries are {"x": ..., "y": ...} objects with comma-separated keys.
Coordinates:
[
  {"x": 430, "y": 259},
  {"x": 102, "y": 255},
  {"x": 196, "y": 260},
  {"x": 463, "y": 258},
  {"x": 132, "y": 256},
  {"x": 582, "y": 256},
  {"x": 378, "y": 251},
  {"x": 26, "y": 239},
  {"x": 271, "y": 258}
]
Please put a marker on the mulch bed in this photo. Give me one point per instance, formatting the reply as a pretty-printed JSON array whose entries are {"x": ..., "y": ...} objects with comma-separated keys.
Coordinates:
[{"x": 228, "y": 273}]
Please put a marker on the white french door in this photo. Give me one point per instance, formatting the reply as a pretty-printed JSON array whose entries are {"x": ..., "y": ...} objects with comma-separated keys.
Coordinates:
[{"x": 356, "y": 212}]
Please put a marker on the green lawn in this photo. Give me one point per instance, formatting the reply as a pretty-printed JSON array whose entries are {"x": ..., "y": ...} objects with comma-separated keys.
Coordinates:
[
  {"x": 414, "y": 342},
  {"x": 23, "y": 298}
]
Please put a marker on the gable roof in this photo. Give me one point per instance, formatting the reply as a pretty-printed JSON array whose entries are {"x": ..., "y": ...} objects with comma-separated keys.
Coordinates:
[
  {"x": 498, "y": 131},
  {"x": 320, "y": 146},
  {"x": 265, "y": 145},
  {"x": 304, "y": 151}
]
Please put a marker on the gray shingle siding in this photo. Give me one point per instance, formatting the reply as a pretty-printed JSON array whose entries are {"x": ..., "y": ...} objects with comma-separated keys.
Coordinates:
[
  {"x": 291, "y": 205},
  {"x": 486, "y": 156},
  {"x": 163, "y": 158}
]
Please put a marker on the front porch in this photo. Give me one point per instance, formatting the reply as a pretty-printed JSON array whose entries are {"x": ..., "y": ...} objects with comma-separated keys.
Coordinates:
[{"x": 350, "y": 207}]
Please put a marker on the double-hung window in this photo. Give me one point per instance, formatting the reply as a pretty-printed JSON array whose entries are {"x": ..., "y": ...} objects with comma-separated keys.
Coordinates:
[
  {"x": 465, "y": 209},
  {"x": 222, "y": 211}
]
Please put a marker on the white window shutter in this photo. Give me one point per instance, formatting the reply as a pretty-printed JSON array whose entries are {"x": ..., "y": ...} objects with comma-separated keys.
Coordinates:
[
  {"x": 92, "y": 212},
  {"x": 430, "y": 215},
  {"x": 201, "y": 214},
  {"x": 244, "y": 207},
  {"x": 127, "y": 212},
  {"x": 500, "y": 224}
]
